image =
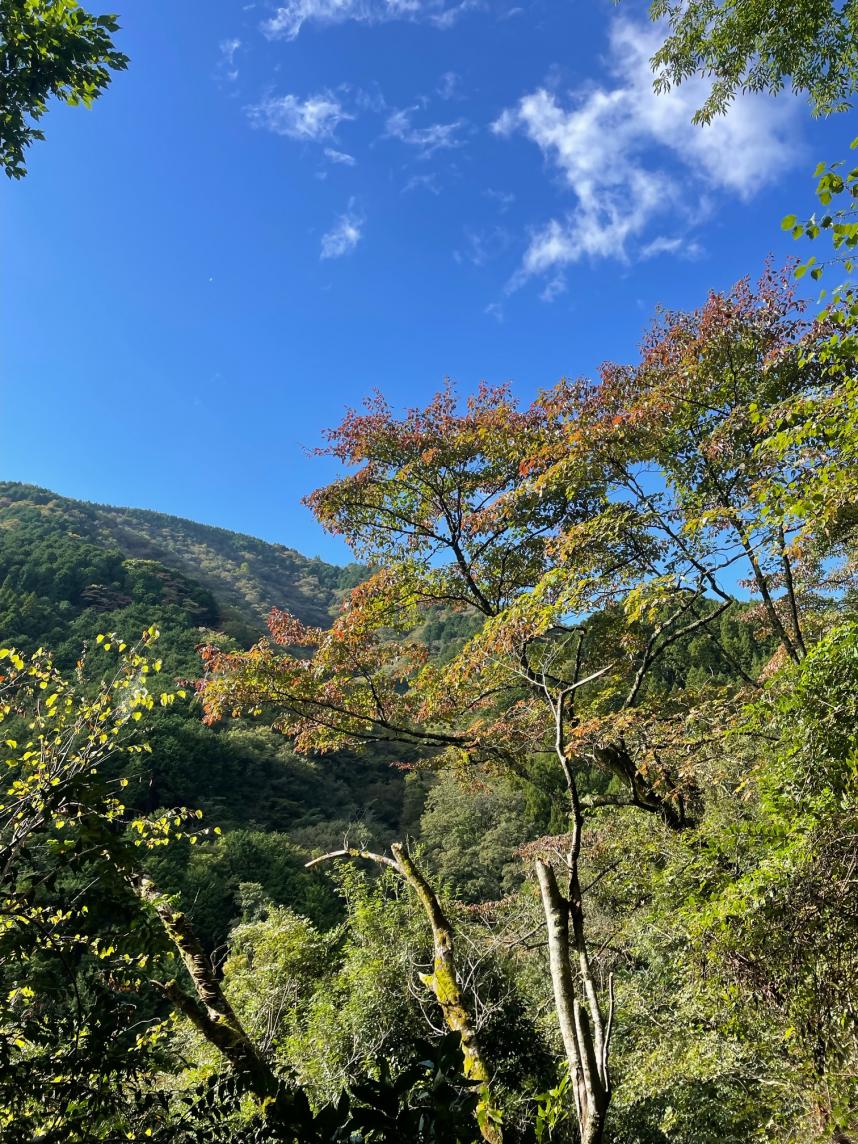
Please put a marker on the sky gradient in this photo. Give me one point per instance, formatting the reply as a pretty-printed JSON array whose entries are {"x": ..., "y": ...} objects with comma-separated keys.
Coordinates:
[{"x": 279, "y": 208}]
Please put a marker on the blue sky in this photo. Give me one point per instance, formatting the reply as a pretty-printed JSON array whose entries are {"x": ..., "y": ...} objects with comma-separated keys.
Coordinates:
[{"x": 281, "y": 207}]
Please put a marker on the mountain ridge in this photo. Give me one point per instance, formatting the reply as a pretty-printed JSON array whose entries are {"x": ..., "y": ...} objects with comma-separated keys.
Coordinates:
[{"x": 245, "y": 574}]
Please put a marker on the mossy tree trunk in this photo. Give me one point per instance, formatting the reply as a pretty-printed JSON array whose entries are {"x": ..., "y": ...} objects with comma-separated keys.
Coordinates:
[
  {"x": 585, "y": 1031},
  {"x": 209, "y": 1009},
  {"x": 444, "y": 978}
]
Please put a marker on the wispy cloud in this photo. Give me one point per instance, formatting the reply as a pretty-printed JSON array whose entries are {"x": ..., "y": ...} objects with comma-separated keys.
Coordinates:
[
  {"x": 484, "y": 245},
  {"x": 687, "y": 248},
  {"x": 344, "y": 235},
  {"x": 423, "y": 183},
  {"x": 554, "y": 287},
  {"x": 340, "y": 157},
  {"x": 314, "y": 118},
  {"x": 447, "y": 17},
  {"x": 504, "y": 199},
  {"x": 290, "y": 18},
  {"x": 450, "y": 86},
  {"x": 227, "y": 65},
  {"x": 629, "y": 156},
  {"x": 427, "y": 140}
]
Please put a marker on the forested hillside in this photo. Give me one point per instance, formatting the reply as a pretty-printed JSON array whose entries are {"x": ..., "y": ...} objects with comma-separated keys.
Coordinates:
[
  {"x": 71, "y": 570},
  {"x": 72, "y": 556}
]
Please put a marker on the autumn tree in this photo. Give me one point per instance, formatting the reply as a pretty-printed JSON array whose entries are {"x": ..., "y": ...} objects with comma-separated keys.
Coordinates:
[
  {"x": 812, "y": 48},
  {"x": 440, "y": 502},
  {"x": 677, "y": 438},
  {"x": 592, "y": 534}
]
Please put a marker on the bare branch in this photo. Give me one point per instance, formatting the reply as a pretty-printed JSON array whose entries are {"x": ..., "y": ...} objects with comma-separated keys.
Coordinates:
[{"x": 353, "y": 852}]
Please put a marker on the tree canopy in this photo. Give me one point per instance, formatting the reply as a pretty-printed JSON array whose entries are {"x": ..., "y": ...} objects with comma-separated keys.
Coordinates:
[
  {"x": 760, "y": 45},
  {"x": 49, "y": 49}
]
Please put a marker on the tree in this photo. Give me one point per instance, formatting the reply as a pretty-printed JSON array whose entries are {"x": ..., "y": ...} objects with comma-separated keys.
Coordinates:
[
  {"x": 815, "y": 435},
  {"x": 594, "y": 534},
  {"x": 80, "y": 916},
  {"x": 48, "y": 48},
  {"x": 676, "y": 436},
  {"x": 747, "y": 45},
  {"x": 441, "y": 501},
  {"x": 444, "y": 980}
]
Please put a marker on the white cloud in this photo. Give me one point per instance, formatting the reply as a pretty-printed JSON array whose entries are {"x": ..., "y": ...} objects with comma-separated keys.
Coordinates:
[
  {"x": 687, "y": 248},
  {"x": 228, "y": 67},
  {"x": 428, "y": 140},
  {"x": 289, "y": 18},
  {"x": 504, "y": 199},
  {"x": 313, "y": 118},
  {"x": 423, "y": 183},
  {"x": 344, "y": 235},
  {"x": 447, "y": 17},
  {"x": 631, "y": 157},
  {"x": 450, "y": 85},
  {"x": 340, "y": 157},
  {"x": 555, "y": 286}
]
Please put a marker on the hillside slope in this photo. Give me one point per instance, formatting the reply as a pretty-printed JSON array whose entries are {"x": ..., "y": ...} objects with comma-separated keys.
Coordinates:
[
  {"x": 246, "y": 576},
  {"x": 70, "y": 570}
]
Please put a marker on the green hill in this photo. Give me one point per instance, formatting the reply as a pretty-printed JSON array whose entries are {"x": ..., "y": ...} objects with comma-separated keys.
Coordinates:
[
  {"x": 50, "y": 544},
  {"x": 69, "y": 570}
]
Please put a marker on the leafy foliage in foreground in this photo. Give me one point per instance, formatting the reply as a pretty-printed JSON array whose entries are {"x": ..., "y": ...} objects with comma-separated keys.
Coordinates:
[
  {"x": 49, "y": 48},
  {"x": 812, "y": 44}
]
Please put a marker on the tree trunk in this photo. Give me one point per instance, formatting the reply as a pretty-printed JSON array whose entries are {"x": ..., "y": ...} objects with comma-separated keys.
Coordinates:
[
  {"x": 584, "y": 1037},
  {"x": 614, "y": 757},
  {"x": 444, "y": 980},
  {"x": 210, "y": 1011}
]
